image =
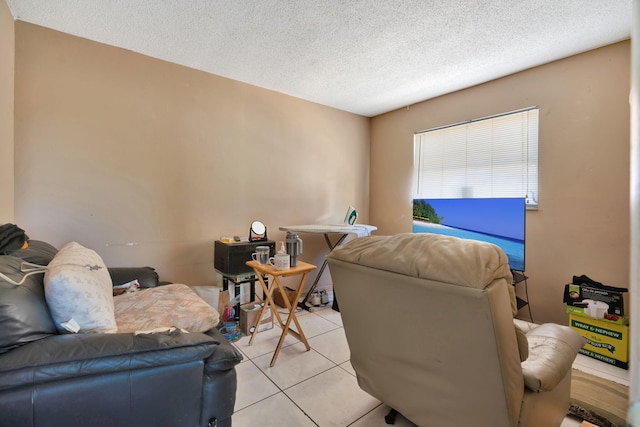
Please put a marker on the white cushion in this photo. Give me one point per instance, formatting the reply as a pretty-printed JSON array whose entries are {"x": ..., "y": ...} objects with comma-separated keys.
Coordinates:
[
  {"x": 167, "y": 306},
  {"x": 78, "y": 288}
]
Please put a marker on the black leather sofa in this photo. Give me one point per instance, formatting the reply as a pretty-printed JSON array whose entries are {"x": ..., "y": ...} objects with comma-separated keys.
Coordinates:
[{"x": 50, "y": 379}]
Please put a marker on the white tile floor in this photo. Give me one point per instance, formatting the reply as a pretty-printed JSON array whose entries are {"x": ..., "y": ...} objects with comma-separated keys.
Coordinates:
[
  {"x": 597, "y": 368},
  {"x": 307, "y": 388}
]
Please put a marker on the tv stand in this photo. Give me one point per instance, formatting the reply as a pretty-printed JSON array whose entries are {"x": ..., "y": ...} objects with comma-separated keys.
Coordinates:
[{"x": 520, "y": 277}]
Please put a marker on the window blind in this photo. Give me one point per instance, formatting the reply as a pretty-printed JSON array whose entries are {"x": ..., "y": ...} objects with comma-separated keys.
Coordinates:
[{"x": 484, "y": 158}]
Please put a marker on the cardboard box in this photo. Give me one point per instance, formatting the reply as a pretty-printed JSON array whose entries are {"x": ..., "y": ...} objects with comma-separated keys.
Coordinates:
[
  {"x": 610, "y": 318},
  {"x": 605, "y": 341},
  {"x": 249, "y": 318},
  {"x": 575, "y": 296},
  {"x": 277, "y": 296}
]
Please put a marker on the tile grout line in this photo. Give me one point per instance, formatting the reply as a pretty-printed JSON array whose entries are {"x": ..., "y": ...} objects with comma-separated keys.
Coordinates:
[
  {"x": 332, "y": 363},
  {"x": 365, "y": 414}
]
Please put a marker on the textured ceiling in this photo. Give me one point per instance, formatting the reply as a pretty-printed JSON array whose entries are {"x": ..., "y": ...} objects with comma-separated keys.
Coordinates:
[{"x": 363, "y": 56}]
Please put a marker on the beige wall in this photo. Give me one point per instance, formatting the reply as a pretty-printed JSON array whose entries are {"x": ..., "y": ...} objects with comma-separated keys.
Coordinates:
[
  {"x": 149, "y": 162},
  {"x": 7, "y": 55},
  {"x": 582, "y": 225}
]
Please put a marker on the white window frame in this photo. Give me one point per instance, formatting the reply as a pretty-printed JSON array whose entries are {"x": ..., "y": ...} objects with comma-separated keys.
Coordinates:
[{"x": 495, "y": 156}]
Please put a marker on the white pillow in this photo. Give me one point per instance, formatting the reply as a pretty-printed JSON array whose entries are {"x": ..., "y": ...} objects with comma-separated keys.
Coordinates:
[{"x": 78, "y": 290}]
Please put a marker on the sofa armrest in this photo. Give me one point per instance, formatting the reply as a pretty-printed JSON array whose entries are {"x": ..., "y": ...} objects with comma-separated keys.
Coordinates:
[
  {"x": 146, "y": 276},
  {"x": 552, "y": 350},
  {"x": 221, "y": 380},
  {"x": 74, "y": 355},
  {"x": 225, "y": 357}
]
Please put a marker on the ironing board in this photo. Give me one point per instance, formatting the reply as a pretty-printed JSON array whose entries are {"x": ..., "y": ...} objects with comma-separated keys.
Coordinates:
[{"x": 343, "y": 230}]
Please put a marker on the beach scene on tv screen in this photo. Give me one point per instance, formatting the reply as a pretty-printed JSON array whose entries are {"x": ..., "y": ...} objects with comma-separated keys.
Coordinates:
[{"x": 500, "y": 221}]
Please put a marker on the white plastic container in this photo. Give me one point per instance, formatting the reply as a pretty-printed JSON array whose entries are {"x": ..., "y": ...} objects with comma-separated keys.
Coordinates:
[{"x": 595, "y": 309}]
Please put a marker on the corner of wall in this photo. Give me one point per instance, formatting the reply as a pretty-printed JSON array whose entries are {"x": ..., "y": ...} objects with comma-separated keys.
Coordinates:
[{"x": 7, "y": 101}]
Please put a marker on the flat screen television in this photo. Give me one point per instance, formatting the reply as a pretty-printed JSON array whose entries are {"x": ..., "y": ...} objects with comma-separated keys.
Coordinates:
[{"x": 500, "y": 221}]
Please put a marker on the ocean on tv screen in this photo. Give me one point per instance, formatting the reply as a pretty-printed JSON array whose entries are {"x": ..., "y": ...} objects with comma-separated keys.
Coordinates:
[{"x": 498, "y": 221}]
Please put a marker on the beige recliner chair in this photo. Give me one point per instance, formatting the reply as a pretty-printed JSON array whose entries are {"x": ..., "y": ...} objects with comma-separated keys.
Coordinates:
[{"x": 430, "y": 324}]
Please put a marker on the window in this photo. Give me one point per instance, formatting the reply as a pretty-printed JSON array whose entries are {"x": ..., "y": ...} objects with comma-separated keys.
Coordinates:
[{"x": 491, "y": 157}]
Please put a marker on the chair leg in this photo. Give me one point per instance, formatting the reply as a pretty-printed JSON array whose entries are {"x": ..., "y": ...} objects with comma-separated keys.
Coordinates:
[{"x": 390, "y": 418}]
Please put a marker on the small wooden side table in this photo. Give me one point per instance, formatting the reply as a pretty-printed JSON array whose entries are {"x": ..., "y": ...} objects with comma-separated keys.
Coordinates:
[{"x": 261, "y": 270}]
